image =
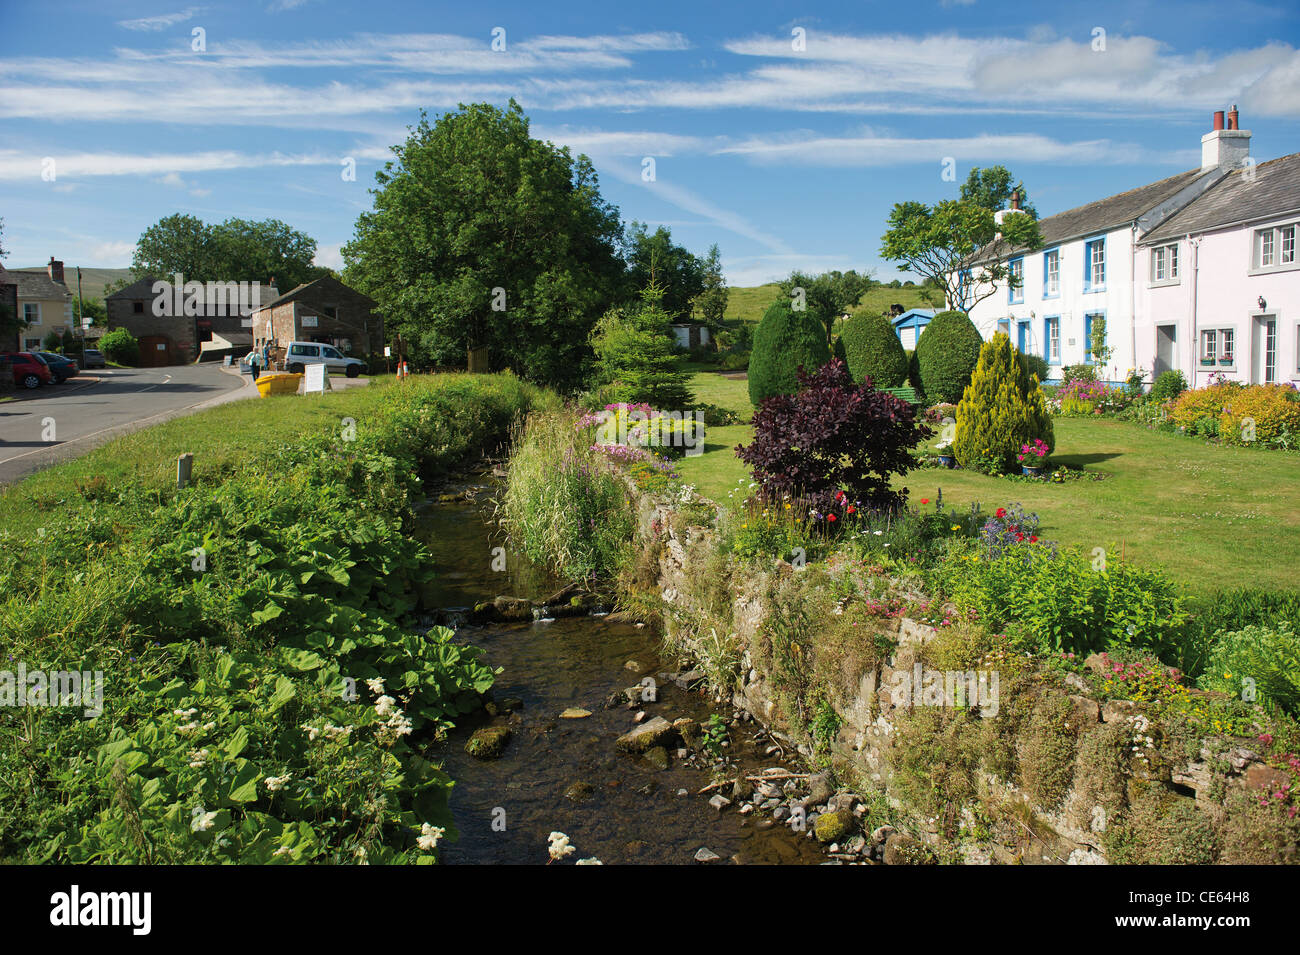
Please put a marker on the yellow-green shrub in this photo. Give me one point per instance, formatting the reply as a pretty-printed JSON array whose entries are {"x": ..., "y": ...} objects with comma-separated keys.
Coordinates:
[
  {"x": 1002, "y": 409},
  {"x": 1271, "y": 408}
]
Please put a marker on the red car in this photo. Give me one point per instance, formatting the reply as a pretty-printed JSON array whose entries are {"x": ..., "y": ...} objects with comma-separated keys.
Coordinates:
[{"x": 29, "y": 371}]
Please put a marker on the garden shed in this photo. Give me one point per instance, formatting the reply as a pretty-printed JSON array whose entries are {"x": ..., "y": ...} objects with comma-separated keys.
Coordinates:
[{"x": 908, "y": 326}]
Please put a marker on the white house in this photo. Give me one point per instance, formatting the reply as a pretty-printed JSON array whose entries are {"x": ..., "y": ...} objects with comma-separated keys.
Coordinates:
[
  {"x": 1092, "y": 265},
  {"x": 1219, "y": 282}
]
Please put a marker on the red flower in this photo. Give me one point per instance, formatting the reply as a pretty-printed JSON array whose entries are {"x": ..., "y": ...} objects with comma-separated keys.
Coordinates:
[
  {"x": 1002, "y": 512},
  {"x": 1033, "y": 538},
  {"x": 925, "y": 500},
  {"x": 1019, "y": 538},
  {"x": 830, "y": 517},
  {"x": 851, "y": 509}
]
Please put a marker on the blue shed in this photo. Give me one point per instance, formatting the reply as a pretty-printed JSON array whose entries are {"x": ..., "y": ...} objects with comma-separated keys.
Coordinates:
[{"x": 908, "y": 326}]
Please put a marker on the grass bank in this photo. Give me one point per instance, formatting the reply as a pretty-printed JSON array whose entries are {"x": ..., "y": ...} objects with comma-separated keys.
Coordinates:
[{"x": 263, "y": 696}]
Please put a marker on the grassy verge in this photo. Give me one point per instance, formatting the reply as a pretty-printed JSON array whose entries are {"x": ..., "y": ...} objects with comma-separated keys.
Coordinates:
[{"x": 263, "y": 698}]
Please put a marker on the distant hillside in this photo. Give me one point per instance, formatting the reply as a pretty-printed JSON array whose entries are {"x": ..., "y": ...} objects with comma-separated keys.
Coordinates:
[
  {"x": 93, "y": 281},
  {"x": 750, "y": 303}
]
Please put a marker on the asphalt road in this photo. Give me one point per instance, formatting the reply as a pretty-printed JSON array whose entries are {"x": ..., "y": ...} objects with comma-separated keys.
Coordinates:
[{"x": 98, "y": 405}]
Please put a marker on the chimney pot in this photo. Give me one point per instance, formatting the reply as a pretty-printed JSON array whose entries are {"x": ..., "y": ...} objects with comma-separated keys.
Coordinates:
[
  {"x": 1218, "y": 119},
  {"x": 1233, "y": 117},
  {"x": 1015, "y": 199},
  {"x": 55, "y": 270}
]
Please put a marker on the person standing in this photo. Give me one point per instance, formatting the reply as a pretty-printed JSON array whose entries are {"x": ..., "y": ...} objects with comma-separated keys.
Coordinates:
[
  {"x": 266, "y": 353},
  {"x": 252, "y": 365}
]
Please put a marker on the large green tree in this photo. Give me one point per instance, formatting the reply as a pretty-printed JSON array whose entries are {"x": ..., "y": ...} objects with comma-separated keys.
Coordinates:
[
  {"x": 482, "y": 235},
  {"x": 237, "y": 250},
  {"x": 826, "y": 296},
  {"x": 958, "y": 245},
  {"x": 654, "y": 259},
  {"x": 992, "y": 188}
]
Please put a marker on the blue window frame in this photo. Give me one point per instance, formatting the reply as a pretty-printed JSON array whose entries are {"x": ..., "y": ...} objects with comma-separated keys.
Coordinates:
[
  {"x": 1087, "y": 335},
  {"x": 1052, "y": 339},
  {"x": 1094, "y": 265},
  {"x": 1016, "y": 281},
  {"x": 1022, "y": 336},
  {"x": 1052, "y": 273}
]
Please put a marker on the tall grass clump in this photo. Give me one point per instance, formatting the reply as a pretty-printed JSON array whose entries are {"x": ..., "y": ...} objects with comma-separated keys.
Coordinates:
[{"x": 562, "y": 504}]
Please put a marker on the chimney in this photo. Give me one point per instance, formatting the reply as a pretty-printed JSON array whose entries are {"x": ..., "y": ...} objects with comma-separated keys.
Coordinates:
[
  {"x": 55, "y": 268},
  {"x": 1015, "y": 199},
  {"x": 1225, "y": 146}
]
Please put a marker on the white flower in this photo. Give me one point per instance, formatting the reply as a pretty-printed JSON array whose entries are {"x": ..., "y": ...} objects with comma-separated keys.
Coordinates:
[
  {"x": 190, "y": 712},
  {"x": 429, "y": 836},
  {"x": 877, "y": 533},
  {"x": 376, "y": 684},
  {"x": 384, "y": 705},
  {"x": 592, "y": 861},
  {"x": 337, "y": 732},
  {"x": 209, "y": 726},
  {"x": 312, "y": 732},
  {"x": 188, "y": 728},
  {"x": 282, "y": 851},
  {"x": 198, "y": 758},
  {"x": 275, "y": 783},
  {"x": 201, "y": 821},
  {"x": 559, "y": 846}
]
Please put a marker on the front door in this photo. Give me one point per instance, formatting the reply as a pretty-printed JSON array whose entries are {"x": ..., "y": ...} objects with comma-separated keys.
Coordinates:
[
  {"x": 1022, "y": 337},
  {"x": 1166, "y": 348},
  {"x": 1264, "y": 357}
]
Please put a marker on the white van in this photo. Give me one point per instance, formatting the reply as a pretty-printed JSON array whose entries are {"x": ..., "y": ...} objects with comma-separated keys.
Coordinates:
[{"x": 301, "y": 354}]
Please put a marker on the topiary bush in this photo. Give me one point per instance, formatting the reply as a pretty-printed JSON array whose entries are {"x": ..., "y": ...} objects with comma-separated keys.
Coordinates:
[
  {"x": 833, "y": 435},
  {"x": 1168, "y": 385},
  {"x": 946, "y": 354},
  {"x": 1001, "y": 410},
  {"x": 786, "y": 340},
  {"x": 120, "y": 346},
  {"x": 872, "y": 349}
]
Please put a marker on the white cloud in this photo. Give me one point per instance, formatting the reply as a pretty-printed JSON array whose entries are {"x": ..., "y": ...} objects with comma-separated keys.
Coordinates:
[
  {"x": 15, "y": 166},
  {"x": 329, "y": 255},
  {"x": 158, "y": 23}
]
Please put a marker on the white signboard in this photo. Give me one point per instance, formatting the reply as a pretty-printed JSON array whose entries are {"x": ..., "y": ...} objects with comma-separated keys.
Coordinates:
[
  {"x": 388, "y": 351},
  {"x": 309, "y": 321},
  {"x": 317, "y": 380}
]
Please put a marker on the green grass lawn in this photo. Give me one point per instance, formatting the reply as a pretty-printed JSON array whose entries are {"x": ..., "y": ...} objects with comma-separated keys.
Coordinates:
[
  {"x": 1213, "y": 517},
  {"x": 750, "y": 303}
]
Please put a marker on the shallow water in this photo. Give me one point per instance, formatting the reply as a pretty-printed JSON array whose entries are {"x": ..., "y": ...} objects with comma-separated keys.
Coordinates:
[{"x": 633, "y": 813}]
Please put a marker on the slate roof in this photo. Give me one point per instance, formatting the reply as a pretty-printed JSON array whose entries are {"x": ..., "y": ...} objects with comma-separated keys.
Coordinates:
[
  {"x": 37, "y": 284},
  {"x": 1102, "y": 215},
  {"x": 143, "y": 289},
  {"x": 1271, "y": 189},
  {"x": 318, "y": 285}
]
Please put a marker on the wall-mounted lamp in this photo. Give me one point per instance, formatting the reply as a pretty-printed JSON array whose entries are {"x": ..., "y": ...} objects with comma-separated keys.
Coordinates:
[{"x": 1262, "y": 304}]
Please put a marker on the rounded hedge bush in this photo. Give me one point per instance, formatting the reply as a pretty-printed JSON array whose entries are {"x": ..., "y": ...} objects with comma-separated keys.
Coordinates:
[
  {"x": 872, "y": 348},
  {"x": 785, "y": 341},
  {"x": 946, "y": 354},
  {"x": 1035, "y": 365},
  {"x": 120, "y": 346}
]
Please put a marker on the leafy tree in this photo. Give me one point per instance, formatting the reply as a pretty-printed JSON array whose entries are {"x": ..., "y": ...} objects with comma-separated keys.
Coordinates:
[
  {"x": 53, "y": 341},
  {"x": 483, "y": 235},
  {"x": 952, "y": 244},
  {"x": 1001, "y": 410},
  {"x": 992, "y": 188},
  {"x": 1101, "y": 352},
  {"x": 833, "y": 435},
  {"x": 237, "y": 250},
  {"x": 712, "y": 300},
  {"x": 828, "y": 295},
  {"x": 946, "y": 354},
  {"x": 872, "y": 349},
  {"x": 92, "y": 309},
  {"x": 634, "y": 354},
  {"x": 785, "y": 342},
  {"x": 653, "y": 259}
]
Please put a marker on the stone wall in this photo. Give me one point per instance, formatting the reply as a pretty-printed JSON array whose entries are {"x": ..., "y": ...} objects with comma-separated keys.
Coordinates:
[{"x": 865, "y": 751}]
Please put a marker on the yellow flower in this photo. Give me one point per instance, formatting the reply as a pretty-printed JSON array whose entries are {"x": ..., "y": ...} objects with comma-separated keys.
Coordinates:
[{"x": 956, "y": 527}]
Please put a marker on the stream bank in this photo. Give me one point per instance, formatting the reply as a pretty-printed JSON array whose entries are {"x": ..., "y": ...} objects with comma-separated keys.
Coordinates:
[{"x": 567, "y": 774}]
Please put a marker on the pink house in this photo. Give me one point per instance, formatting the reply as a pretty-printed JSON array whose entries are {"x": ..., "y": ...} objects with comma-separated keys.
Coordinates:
[{"x": 1220, "y": 291}]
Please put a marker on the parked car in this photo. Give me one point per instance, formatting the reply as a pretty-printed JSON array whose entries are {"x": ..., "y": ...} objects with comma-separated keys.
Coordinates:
[
  {"x": 301, "y": 354},
  {"x": 93, "y": 358},
  {"x": 29, "y": 370},
  {"x": 61, "y": 366}
]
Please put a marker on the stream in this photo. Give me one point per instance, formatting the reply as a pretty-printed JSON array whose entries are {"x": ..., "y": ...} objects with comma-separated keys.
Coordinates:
[{"x": 622, "y": 809}]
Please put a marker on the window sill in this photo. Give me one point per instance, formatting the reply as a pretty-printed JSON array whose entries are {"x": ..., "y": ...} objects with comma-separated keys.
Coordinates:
[
  {"x": 1272, "y": 269},
  {"x": 1095, "y": 288},
  {"x": 1165, "y": 284}
]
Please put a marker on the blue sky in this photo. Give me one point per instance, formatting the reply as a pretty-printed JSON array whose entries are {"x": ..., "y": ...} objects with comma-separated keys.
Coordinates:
[{"x": 787, "y": 158}]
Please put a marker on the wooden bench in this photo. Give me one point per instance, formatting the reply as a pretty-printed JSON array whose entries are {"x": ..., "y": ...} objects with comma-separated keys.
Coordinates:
[{"x": 906, "y": 393}]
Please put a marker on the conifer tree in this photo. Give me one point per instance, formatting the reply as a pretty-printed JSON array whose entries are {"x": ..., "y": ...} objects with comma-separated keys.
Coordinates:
[{"x": 1002, "y": 409}]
